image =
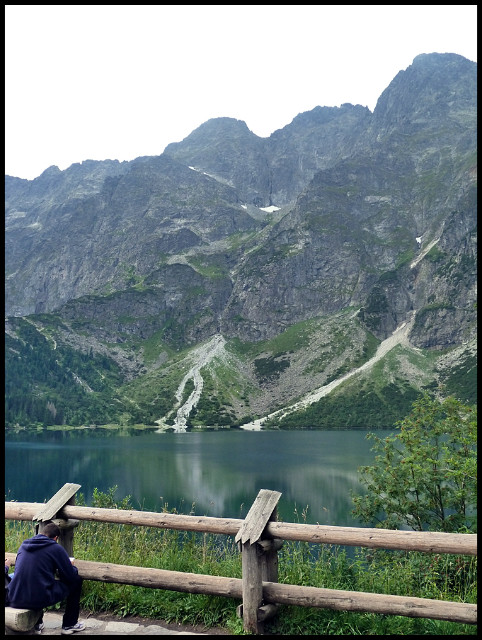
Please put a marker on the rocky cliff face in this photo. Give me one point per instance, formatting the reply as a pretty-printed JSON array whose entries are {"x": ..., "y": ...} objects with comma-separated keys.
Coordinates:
[
  {"x": 273, "y": 171},
  {"x": 121, "y": 230},
  {"x": 229, "y": 233},
  {"x": 354, "y": 234}
]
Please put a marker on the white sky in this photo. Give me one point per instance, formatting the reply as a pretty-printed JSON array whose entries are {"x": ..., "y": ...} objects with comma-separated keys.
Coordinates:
[{"x": 98, "y": 81}]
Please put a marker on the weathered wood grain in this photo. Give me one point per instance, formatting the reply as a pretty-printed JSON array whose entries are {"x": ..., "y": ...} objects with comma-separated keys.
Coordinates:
[
  {"x": 56, "y": 502},
  {"x": 252, "y": 587},
  {"x": 371, "y": 602},
  {"x": 21, "y": 620},
  {"x": 258, "y": 516},
  {"x": 428, "y": 541}
]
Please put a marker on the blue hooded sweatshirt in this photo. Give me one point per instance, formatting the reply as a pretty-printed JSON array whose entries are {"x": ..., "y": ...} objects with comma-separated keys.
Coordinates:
[{"x": 34, "y": 585}]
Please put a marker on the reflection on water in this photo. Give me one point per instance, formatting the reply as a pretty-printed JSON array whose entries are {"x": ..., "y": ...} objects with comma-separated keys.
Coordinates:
[{"x": 217, "y": 473}]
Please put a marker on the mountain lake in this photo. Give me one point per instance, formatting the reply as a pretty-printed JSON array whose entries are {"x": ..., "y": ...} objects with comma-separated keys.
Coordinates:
[{"x": 213, "y": 473}]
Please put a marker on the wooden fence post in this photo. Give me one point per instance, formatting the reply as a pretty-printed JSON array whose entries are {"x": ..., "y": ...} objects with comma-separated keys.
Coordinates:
[
  {"x": 259, "y": 561},
  {"x": 48, "y": 512}
]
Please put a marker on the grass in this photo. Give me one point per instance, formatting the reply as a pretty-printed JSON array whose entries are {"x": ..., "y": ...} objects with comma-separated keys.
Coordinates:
[
  {"x": 153, "y": 347},
  {"x": 292, "y": 339},
  {"x": 444, "y": 577}
]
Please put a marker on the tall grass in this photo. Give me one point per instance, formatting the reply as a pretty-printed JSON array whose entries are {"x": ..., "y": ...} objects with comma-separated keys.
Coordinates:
[{"x": 444, "y": 577}]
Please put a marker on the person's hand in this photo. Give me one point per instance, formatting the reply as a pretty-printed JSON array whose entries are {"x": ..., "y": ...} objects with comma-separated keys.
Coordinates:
[{"x": 8, "y": 562}]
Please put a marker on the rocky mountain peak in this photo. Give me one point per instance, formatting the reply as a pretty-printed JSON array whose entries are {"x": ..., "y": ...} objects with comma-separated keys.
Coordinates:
[
  {"x": 434, "y": 86},
  {"x": 303, "y": 250},
  {"x": 213, "y": 128}
]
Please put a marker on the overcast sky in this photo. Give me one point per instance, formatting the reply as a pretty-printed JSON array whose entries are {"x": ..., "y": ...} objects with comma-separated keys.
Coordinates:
[{"x": 118, "y": 82}]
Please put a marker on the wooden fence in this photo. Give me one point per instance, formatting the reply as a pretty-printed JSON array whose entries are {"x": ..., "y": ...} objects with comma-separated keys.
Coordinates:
[{"x": 259, "y": 536}]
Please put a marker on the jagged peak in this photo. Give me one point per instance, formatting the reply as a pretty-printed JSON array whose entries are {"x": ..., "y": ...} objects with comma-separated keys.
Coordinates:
[
  {"x": 439, "y": 58},
  {"x": 321, "y": 115},
  {"x": 427, "y": 86},
  {"x": 53, "y": 170},
  {"x": 214, "y": 128}
]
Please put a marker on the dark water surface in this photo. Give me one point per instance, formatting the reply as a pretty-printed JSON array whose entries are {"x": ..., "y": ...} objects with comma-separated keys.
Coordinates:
[{"x": 215, "y": 473}]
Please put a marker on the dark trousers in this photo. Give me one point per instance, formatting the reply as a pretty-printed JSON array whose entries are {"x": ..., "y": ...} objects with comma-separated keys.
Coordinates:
[{"x": 72, "y": 604}]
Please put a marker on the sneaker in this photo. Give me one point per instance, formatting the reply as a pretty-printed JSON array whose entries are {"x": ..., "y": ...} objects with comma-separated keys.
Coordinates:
[
  {"x": 38, "y": 628},
  {"x": 76, "y": 627}
]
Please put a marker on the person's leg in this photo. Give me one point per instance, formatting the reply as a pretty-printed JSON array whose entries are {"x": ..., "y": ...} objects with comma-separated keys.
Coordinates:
[
  {"x": 72, "y": 604},
  {"x": 39, "y": 625}
]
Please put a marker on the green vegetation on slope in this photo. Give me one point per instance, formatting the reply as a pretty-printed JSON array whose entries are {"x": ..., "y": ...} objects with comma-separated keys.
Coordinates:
[
  {"x": 60, "y": 385},
  {"x": 370, "y": 409},
  {"x": 461, "y": 380},
  {"x": 48, "y": 382}
]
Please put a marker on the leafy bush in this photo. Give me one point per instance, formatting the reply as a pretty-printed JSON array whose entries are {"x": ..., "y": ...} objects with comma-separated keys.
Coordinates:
[{"x": 424, "y": 476}]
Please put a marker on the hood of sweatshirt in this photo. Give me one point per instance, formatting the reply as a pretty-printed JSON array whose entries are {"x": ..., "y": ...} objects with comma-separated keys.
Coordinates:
[{"x": 37, "y": 542}]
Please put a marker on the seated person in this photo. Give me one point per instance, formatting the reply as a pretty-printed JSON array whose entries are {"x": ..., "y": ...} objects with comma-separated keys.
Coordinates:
[{"x": 34, "y": 584}]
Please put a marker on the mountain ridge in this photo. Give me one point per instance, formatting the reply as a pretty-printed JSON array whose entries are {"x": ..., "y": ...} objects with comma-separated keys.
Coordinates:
[{"x": 341, "y": 218}]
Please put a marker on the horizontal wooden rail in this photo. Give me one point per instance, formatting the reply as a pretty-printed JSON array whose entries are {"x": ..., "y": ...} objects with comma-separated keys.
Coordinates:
[
  {"x": 427, "y": 541},
  {"x": 277, "y": 593},
  {"x": 372, "y": 602},
  {"x": 156, "y": 578}
]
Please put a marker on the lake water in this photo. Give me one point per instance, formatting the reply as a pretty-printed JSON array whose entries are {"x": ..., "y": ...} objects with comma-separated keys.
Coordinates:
[{"x": 218, "y": 472}]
